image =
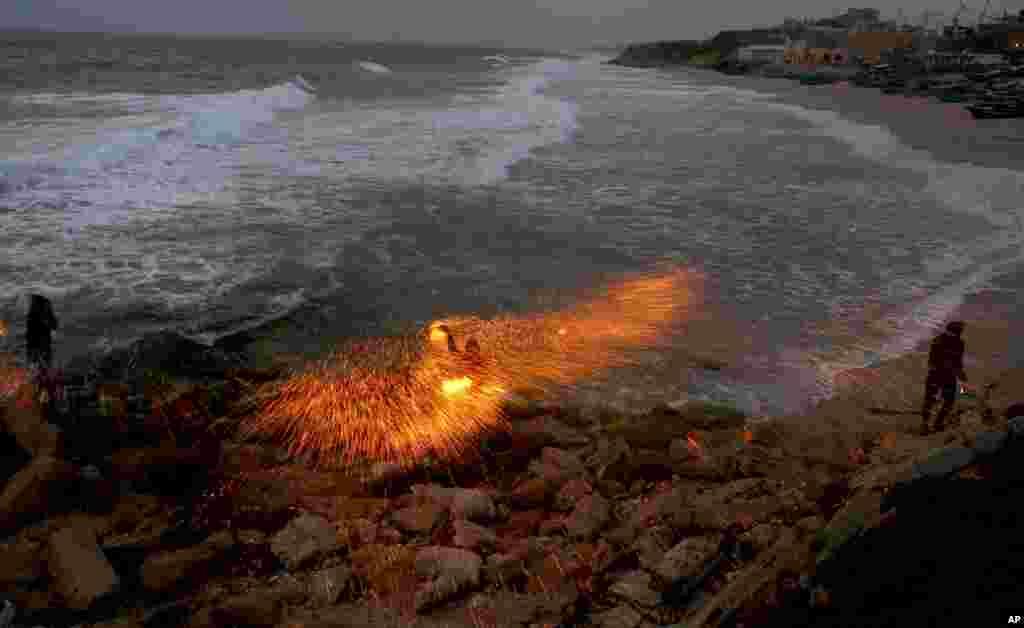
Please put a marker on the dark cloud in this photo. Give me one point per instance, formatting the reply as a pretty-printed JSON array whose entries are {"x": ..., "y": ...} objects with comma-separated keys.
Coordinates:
[{"x": 551, "y": 23}]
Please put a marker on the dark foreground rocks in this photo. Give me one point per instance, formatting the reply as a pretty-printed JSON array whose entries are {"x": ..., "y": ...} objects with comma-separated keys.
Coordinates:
[{"x": 693, "y": 516}]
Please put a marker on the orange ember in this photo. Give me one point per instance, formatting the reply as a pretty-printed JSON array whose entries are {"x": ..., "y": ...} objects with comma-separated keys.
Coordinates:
[
  {"x": 398, "y": 399},
  {"x": 452, "y": 387}
]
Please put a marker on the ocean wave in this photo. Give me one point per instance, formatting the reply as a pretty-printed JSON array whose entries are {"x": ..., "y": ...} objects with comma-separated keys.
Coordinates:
[
  {"x": 373, "y": 67},
  {"x": 101, "y": 170}
]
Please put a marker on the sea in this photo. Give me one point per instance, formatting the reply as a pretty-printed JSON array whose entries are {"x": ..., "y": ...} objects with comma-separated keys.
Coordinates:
[{"x": 206, "y": 185}]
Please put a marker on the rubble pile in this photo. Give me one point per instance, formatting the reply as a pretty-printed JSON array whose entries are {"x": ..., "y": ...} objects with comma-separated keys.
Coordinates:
[{"x": 692, "y": 516}]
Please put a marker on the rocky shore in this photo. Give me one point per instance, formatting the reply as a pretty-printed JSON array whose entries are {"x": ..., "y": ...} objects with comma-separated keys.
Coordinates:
[{"x": 134, "y": 502}]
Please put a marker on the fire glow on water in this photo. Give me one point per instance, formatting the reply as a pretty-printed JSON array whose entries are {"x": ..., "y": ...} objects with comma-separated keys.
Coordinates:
[{"x": 398, "y": 399}]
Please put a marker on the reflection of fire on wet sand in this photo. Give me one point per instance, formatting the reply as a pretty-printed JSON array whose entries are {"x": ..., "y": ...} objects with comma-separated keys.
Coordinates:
[{"x": 398, "y": 399}]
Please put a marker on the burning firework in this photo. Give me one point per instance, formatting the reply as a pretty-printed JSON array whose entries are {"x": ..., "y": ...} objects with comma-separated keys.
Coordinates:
[{"x": 396, "y": 400}]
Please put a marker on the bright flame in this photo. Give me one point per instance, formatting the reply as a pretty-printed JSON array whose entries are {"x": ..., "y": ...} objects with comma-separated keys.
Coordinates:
[
  {"x": 437, "y": 334},
  {"x": 397, "y": 399},
  {"x": 452, "y": 387},
  {"x": 3, "y": 328}
]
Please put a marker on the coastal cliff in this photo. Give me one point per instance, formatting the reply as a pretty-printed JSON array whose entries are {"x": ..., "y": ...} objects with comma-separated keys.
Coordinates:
[{"x": 660, "y": 53}]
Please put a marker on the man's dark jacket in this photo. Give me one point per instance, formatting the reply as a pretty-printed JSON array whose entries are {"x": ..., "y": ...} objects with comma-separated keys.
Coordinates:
[{"x": 946, "y": 358}]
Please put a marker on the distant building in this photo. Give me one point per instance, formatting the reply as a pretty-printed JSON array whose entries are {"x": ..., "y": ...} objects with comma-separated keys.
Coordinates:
[{"x": 870, "y": 45}]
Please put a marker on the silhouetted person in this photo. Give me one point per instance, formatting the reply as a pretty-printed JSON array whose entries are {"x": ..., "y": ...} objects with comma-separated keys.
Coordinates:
[
  {"x": 945, "y": 367},
  {"x": 452, "y": 347},
  {"x": 39, "y": 327}
]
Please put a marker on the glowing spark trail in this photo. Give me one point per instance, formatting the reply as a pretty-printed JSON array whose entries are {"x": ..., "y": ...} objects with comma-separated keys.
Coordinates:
[{"x": 398, "y": 399}]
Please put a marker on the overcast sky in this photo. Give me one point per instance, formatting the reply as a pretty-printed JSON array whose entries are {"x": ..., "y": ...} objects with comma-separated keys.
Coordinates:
[{"x": 546, "y": 23}]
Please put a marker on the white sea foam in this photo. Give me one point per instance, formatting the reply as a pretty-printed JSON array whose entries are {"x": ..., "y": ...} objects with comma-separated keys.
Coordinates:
[
  {"x": 375, "y": 68},
  {"x": 104, "y": 171}
]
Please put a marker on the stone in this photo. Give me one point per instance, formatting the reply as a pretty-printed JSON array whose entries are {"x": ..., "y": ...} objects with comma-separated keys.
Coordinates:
[
  {"x": 80, "y": 571},
  {"x": 651, "y": 546},
  {"x": 419, "y": 519},
  {"x": 154, "y": 464},
  {"x": 168, "y": 570},
  {"x": 562, "y": 459},
  {"x": 635, "y": 588},
  {"x": 622, "y": 616},
  {"x": 452, "y": 571},
  {"x": 24, "y": 564},
  {"x": 327, "y": 585},
  {"x": 252, "y": 609},
  {"x": 520, "y": 525},
  {"x": 504, "y": 569},
  {"x": 304, "y": 539},
  {"x": 571, "y": 493},
  {"x": 35, "y": 491},
  {"x": 608, "y": 452},
  {"x": 761, "y": 537},
  {"x": 472, "y": 504},
  {"x": 472, "y": 536},
  {"x": 31, "y": 430},
  {"x": 531, "y": 493},
  {"x": 589, "y": 517},
  {"x": 543, "y": 431},
  {"x": 386, "y": 476},
  {"x": 687, "y": 558},
  {"x": 810, "y": 525},
  {"x": 988, "y": 443},
  {"x": 944, "y": 462}
]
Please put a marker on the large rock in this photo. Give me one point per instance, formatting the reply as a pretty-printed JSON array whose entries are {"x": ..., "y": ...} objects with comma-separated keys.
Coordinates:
[
  {"x": 651, "y": 546},
  {"x": 472, "y": 504},
  {"x": 504, "y": 569},
  {"x": 472, "y": 536},
  {"x": 164, "y": 351},
  {"x": 327, "y": 585},
  {"x": 533, "y": 492},
  {"x": 145, "y": 465},
  {"x": 635, "y": 588},
  {"x": 31, "y": 430},
  {"x": 168, "y": 570},
  {"x": 622, "y": 616},
  {"x": 80, "y": 571},
  {"x": 608, "y": 452},
  {"x": 24, "y": 564},
  {"x": 589, "y": 517},
  {"x": 419, "y": 518},
  {"x": 37, "y": 490},
  {"x": 571, "y": 494},
  {"x": 545, "y": 431},
  {"x": 687, "y": 558},
  {"x": 256, "y": 609},
  {"x": 304, "y": 539},
  {"x": 452, "y": 571}
]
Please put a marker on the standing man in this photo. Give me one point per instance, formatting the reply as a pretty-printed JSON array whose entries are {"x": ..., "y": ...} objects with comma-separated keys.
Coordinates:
[
  {"x": 945, "y": 367},
  {"x": 39, "y": 327}
]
